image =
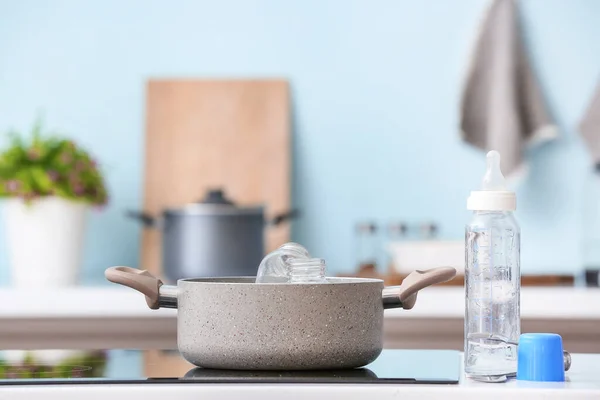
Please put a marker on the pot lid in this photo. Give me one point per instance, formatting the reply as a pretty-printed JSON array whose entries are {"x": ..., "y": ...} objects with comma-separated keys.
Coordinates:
[{"x": 215, "y": 202}]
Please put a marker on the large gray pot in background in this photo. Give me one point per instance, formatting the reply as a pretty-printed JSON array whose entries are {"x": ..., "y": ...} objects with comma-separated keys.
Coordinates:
[
  {"x": 211, "y": 238},
  {"x": 235, "y": 323}
]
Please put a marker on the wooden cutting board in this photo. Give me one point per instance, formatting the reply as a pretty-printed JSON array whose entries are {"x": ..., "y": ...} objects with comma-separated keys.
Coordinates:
[{"x": 206, "y": 134}]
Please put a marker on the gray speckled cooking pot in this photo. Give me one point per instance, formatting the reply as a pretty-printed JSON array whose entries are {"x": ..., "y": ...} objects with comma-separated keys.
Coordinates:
[{"x": 235, "y": 323}]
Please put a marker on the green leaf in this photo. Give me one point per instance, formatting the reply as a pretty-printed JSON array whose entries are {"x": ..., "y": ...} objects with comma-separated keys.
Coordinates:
[
  {"x": 53, "y": 147},
  {"x": 62, "y": 192},
  {"x": 40, "y": 180},
  {"x": 23, "y": 177}
]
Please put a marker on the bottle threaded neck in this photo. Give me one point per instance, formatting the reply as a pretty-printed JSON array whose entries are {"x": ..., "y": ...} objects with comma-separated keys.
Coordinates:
[{"x": 306, "y": 270}]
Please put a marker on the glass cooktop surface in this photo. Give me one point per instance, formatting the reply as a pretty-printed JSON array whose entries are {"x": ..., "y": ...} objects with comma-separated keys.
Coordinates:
[{"x": 392, "y": 366}]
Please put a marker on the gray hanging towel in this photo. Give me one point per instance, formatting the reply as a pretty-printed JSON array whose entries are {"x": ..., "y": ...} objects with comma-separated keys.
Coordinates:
[
  {"x": 590, "y": 127},
  {"x": 502, "y": 107}
]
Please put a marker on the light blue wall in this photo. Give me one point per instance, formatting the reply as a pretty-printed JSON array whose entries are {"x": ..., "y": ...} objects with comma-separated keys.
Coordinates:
[{"x": 375, "y": 90}]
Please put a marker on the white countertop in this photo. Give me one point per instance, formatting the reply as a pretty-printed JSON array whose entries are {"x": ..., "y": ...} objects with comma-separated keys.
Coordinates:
[
  {"x": 583, "y": 383},
  {"x": 536, "y": 302},
  {"x": 80, "y": 302},
  {"x": 437, "y": 302},
  {"x": 117, "y": 317}
]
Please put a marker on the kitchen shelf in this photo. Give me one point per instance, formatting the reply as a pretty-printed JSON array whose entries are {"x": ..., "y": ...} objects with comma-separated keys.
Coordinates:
[{"x": 119, "y": 318}]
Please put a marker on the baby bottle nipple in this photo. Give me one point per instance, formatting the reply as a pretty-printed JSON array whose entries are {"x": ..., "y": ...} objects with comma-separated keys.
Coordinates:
[
  {"x": 493, "y": 195},
  {"x": 493, "y": 178}
]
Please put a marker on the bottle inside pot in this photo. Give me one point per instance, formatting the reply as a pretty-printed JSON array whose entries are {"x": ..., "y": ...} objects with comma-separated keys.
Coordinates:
[{"x": 291, "y": 263}]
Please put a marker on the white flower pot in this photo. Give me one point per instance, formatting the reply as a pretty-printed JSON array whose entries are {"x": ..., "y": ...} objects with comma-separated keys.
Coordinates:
[{"x": 45, "y": 241}]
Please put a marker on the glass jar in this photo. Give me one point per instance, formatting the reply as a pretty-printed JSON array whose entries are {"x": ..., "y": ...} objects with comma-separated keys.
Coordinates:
[{"x": 291, "y": 263}]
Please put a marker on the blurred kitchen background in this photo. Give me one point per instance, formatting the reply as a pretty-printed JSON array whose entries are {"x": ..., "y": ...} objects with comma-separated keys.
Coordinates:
[{"x": 374, "y": 101}]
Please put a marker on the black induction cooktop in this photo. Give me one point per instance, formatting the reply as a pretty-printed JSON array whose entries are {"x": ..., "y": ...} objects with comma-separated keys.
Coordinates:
[{"x": 392, "y": 366}]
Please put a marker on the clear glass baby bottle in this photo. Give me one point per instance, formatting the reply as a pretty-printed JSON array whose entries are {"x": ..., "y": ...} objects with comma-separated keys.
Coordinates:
[
  {"x": 291, "y": 263},
  {"x": 492, "y": 277}
]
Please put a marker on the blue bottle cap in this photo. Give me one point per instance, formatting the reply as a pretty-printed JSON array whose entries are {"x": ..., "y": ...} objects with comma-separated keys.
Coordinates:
[{"x": 540, "y": 358}]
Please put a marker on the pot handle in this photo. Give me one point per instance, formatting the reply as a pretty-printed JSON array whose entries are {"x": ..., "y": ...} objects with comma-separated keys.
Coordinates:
[
  {"x": 283, "y": 217},
  {"x": 146, "y": 219},
  {"x": 140, "y": 280},
  {"x": 405, "y": 295}
]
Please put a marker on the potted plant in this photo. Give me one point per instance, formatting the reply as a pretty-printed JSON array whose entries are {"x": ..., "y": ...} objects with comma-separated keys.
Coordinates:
[{"x": 49, "y": 184}]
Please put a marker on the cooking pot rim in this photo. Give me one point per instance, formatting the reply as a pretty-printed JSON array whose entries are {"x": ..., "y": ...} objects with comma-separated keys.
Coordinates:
[
  {"x": 166, "y": 296},
  {"x": 214, "y": 209},
  {"x": 250, "y": 281}
]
